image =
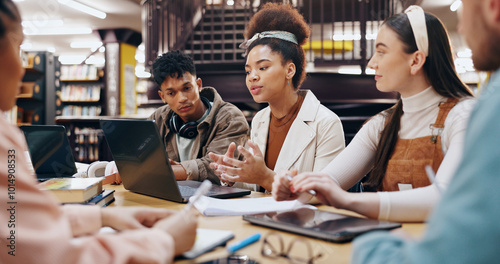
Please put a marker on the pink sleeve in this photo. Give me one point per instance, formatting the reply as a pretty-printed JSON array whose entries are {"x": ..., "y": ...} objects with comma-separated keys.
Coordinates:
[
  {"x": 83, "y": 219},
  {"x": 34, "y": 228}
]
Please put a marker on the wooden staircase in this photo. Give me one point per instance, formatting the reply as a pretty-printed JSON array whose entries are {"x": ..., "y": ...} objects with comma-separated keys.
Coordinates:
[{"x": 217, "y": 36}]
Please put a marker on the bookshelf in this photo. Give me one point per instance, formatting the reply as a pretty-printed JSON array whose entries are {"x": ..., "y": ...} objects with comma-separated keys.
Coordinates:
[
  {"x": 35, "y": 102},
  {"x": 81, "y": 91},
  {"x": 148, "y": 99},
  {"x": 475, "y": 80},
  {"x": 86, "y": 138}
]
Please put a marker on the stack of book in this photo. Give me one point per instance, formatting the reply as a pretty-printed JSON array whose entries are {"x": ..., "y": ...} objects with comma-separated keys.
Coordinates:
[{"x": 78, "y": 191}]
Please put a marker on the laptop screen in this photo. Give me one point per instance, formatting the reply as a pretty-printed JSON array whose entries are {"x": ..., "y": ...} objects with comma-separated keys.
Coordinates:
[
  {"x": 140, "y": 156},
  {"x": 49, "y": 150}
]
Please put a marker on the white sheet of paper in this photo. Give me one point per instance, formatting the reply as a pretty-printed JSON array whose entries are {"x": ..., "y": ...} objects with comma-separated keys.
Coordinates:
[{"x": 220, "y": 207}]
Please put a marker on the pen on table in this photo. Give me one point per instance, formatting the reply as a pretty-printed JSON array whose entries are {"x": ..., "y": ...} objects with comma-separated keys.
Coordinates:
[
  {"x": 233, "y": 247},
  {"x": 202, "y": 190},
  {"x": 432, "y": 177}
]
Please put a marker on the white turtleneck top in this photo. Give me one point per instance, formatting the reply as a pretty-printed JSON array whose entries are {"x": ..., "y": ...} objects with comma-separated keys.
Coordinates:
[{"x": 420, "y": 111}]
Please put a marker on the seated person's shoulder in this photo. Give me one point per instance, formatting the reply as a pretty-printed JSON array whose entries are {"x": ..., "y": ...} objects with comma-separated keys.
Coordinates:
[
  {"x": 323, "y": 111},
  {"x": 466, "y": 103},
  {"x": 230, "y": 111},
  {"x": 462, "y": 110},
  {"x": 160, "y": 113}
]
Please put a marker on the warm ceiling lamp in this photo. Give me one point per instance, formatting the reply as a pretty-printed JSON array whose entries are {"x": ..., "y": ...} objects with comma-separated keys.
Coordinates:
[
  {"x": 83, "y": 8},
  {"x": 455, "y": 5}
]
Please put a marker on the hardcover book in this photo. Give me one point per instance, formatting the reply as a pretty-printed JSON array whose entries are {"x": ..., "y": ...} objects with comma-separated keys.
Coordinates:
[
  {"x": 103, "y": 199},
  {"x": 73, "y": 190}
]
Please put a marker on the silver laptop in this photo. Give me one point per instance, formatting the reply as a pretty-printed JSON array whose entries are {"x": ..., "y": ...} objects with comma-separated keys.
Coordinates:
[
  {"x": 49, "y": 150},
  {"x": 141, "y": 159}
]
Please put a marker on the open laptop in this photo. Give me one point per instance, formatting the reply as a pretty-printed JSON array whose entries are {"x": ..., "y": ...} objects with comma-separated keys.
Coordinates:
[
  {"x": 49, "y": 150},
  {"x": 141, "y": 159},
  {"x": 320, "y": 224}
]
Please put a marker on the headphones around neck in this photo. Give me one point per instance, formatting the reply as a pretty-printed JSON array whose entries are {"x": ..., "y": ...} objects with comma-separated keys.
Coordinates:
[{"x": 186, "y": 130}]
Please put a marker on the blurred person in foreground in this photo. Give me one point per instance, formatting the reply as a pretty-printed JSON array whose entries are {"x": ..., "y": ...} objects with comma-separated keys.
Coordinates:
[
  {"x": 36, "y": 229},
  {"x": 464, "y": 227}
]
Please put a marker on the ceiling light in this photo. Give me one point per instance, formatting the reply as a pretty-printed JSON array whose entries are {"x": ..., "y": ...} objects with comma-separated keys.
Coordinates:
[
  {"x": 83, "y": 8},
  {"x": 57, "y": 31},
  {"x": 143, "y": 74},
  {"x": 95, "y": 60},
  {"x": 140, "y": 57},
  {"x": 42, "y": 23},
  {"x": 466, "y": 53},
  {"x": 369, "y": 71},
  {"x": 85, "y": 44},
  {"x": 140, "y": 72},
  {"x": 462, "y": 64},
  {"x": 349, "y": 70},
  {"x": 456, "y": 5},
  {"x": 26, "y": 46},
  {"x": 71, "y": 59}
]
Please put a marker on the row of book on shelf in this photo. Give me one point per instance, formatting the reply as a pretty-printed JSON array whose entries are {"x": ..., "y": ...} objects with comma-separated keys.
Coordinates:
[
  {"x": 18, "y": 115},
  {"x": 79, "y": 110},
  {"x": 87, "y": 191},
  {"x": 87, "y": 152},
  {"x": 80, "y": 93},
  {"x": 87, "y": 142},
  {"x": 79, "y": 72}
]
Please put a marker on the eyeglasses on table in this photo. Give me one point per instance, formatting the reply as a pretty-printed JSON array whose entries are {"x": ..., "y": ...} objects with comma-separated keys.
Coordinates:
[{"x": 298, "y": 250}]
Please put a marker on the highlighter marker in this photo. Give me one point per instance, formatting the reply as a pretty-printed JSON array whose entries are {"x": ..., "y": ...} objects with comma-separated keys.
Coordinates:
[{"x": 242, "y": 243}]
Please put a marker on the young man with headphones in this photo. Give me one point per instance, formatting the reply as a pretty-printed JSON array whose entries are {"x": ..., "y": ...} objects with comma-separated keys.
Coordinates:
[{"x": 195, "y": 119}]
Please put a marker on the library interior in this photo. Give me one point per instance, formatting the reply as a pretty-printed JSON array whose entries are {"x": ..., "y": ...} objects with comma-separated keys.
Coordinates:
[
  {"x": 81, "y": 67},
  {"x": 89, "y": 60}
]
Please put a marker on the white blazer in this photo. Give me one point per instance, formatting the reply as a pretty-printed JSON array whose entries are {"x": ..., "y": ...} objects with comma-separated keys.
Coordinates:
[{"x": 315, "y": 138}]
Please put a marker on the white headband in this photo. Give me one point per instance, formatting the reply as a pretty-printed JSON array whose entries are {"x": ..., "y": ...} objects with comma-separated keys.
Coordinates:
[
  {"x": 416, "y": 16},
  {"x": 283, "y": 35}
]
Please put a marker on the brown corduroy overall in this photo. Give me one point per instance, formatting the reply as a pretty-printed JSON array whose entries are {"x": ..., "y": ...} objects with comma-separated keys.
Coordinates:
[{"x": 410, "y": 156}]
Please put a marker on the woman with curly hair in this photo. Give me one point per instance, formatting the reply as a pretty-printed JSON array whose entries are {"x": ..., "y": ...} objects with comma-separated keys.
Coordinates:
[{"x": 295, "y": 131}]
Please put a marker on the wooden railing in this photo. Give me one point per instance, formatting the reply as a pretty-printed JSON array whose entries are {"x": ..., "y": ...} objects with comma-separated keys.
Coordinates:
[{"x": 343, "y": 31}]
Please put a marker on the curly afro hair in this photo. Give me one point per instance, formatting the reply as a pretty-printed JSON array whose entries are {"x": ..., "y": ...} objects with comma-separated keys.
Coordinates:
[
  {"x": 273, "y": 16},
  {"x": 172, "y": 64}
]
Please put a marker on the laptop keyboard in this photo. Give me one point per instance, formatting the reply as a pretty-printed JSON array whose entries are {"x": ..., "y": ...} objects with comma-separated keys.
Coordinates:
[{"x": 187, "y": 191}]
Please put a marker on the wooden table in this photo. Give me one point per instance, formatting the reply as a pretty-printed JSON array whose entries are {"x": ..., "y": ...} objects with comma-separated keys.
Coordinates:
[{"x": 331, "y": 252}]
